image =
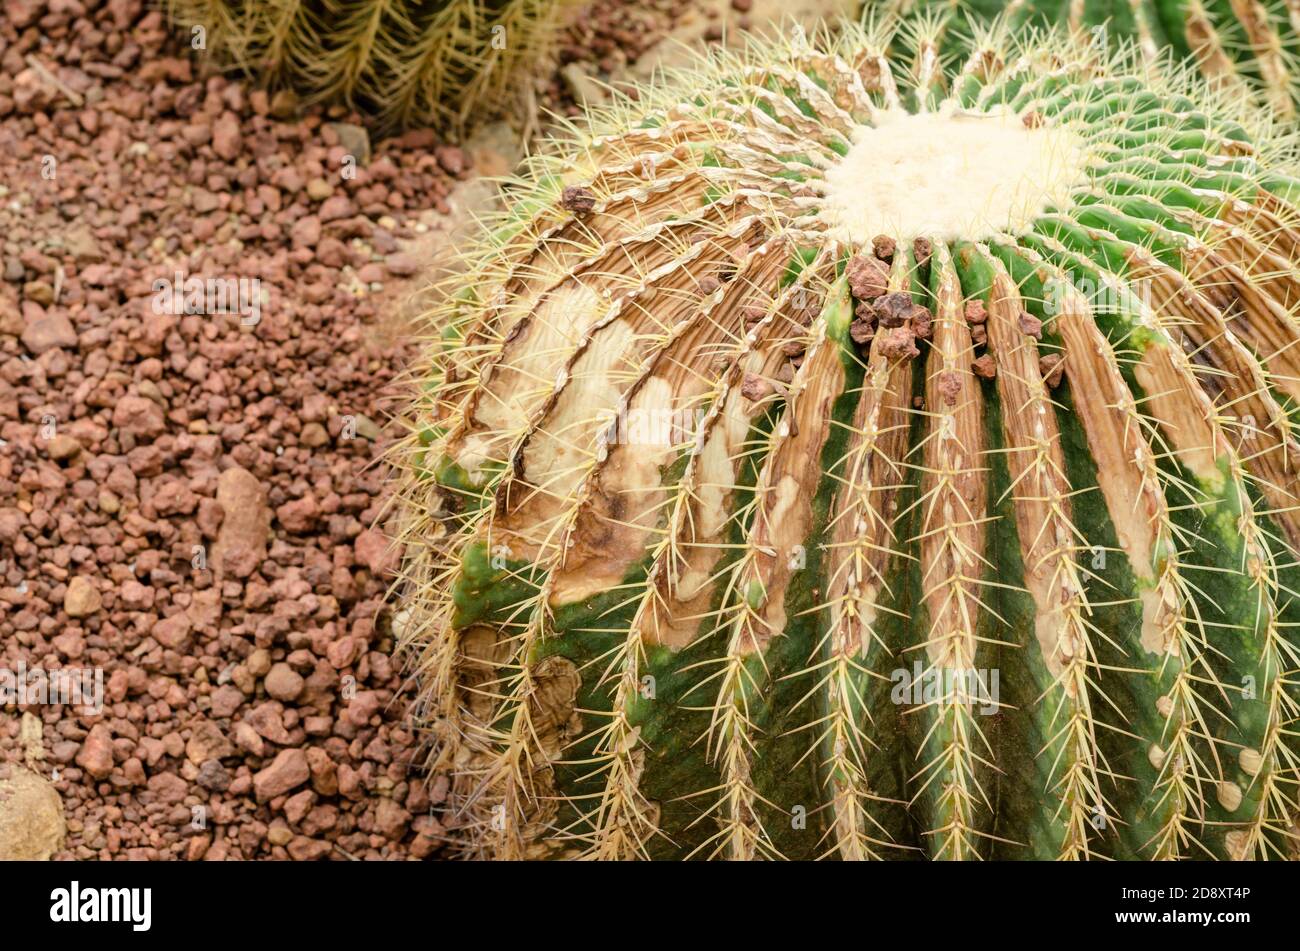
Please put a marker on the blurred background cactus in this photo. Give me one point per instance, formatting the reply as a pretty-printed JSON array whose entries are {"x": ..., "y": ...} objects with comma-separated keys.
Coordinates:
[{"x": 449, "y": 64}]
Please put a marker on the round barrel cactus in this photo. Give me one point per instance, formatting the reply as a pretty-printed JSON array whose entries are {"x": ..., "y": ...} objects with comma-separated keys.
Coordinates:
[
  {"x": 449, "y": 62},
  {"x": 828, "y": 455}
]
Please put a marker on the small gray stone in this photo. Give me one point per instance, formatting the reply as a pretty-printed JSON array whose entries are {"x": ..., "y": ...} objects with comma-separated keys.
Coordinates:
[
  {"x": 354, "y": 139},
  {"x": 213, "y": 776}
]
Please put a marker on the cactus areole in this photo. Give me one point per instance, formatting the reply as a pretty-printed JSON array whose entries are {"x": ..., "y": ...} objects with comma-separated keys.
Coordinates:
[{"x": 834, "y": 456}]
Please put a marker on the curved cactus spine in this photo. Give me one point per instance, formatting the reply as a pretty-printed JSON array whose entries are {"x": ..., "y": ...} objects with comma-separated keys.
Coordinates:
[{"x": 968, "y": 524}]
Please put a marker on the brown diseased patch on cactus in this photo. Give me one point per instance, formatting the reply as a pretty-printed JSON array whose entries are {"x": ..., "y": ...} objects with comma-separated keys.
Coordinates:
[{"x": 622, "y": 502}]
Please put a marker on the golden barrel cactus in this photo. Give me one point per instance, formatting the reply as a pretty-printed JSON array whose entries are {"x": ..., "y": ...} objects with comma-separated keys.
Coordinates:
[
  {"x": 449, "y": 63},
  {"x": 829, "y": 455}
]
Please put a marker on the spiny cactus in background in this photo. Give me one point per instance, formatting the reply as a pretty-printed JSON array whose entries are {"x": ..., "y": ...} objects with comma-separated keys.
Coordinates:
[
  {"x": 448, "y": 63},
  {"x": 1245, "y": 46},
  {"x": 830, "y": 459}
]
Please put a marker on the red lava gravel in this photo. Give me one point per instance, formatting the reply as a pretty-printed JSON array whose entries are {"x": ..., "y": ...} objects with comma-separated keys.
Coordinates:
[
  {"x": 604, "y": 39},
  {"x": 186, "y": 500}
]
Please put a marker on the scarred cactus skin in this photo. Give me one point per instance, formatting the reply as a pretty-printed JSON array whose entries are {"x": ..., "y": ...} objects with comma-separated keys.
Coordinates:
[
  {"x": 833, "y": 456},
  {"x": 450, "y": 63}
]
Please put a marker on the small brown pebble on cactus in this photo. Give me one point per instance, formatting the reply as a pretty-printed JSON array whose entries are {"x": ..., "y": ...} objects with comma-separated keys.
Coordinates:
[
  {"x": 898, "y": 343},
  {"x": 949, "y": 382},
  {"x": 753, "y": 314},
  {"x": 975, "y": 312},
  {"x": 861, "y": 331},
  {"x": 921, "y": 250},
  {"x": 578, "y": 200},
  {"x": 709, "y": 284},
  {"x": 892, "y": 310},
  {"x": 918, "y": 402},
  {"x": 794, "y": 348},
  {"x": 883, "y": 247},
  {"x": 979, "y": 336},
  {"x": 1032, "y": 119},
  {"x": 1031, "y": 325},
  {"x": 868, "y": 278},
  {"x": 1052, "y": 367},
  {"x": 756, "y": 387},
  {"x": 922, "y": 322},
  {"x": 984, "y": 367}
]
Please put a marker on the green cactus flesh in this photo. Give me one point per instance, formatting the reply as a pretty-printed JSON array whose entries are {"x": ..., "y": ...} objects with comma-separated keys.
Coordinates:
[
  {"x": 1243, "y": 46},
  {"x": 448, "y": 62},
  {"x": 840, "y": 459}
]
